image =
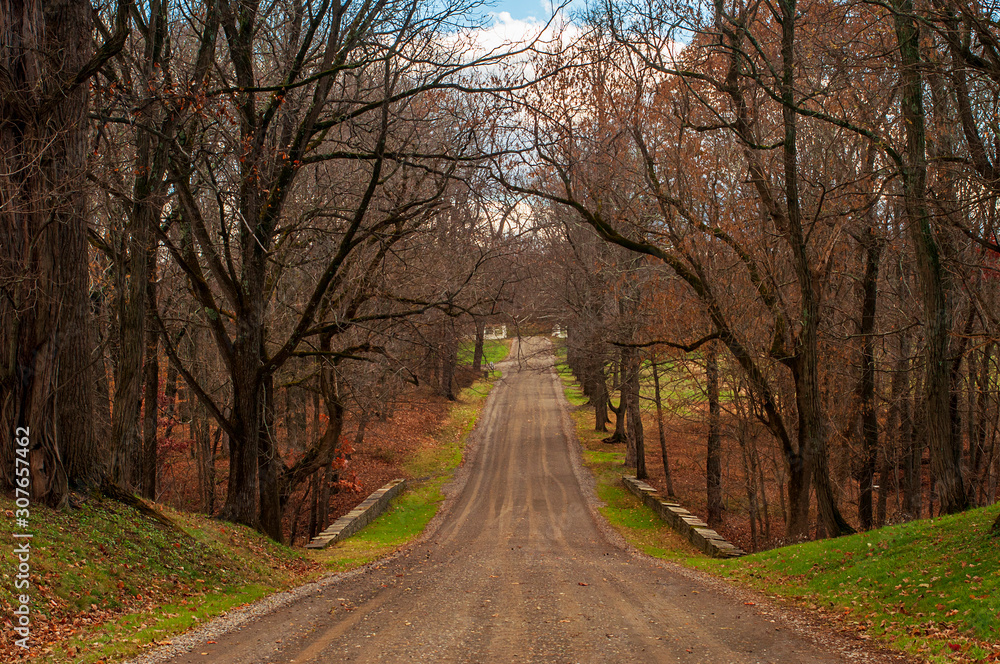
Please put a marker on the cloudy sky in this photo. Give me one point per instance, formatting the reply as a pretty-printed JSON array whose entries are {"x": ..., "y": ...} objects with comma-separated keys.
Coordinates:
[
  {"x": 523, "y": 10},
  {"x": 510, "y": 22}
]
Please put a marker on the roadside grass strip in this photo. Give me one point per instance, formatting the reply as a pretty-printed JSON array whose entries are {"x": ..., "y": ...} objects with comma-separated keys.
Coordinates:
[{"x": 494, "y": 350}]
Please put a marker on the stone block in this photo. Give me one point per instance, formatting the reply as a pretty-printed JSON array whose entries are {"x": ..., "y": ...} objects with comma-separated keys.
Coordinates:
[
  {"x": 369, "y": 509},
  {"x": 703, "y": 538}
]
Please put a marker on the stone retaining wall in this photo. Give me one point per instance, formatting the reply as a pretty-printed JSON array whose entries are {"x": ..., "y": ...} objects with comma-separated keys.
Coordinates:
[
  {"x": 697, "y": 531},
  {"x": 359, "y": 517}
]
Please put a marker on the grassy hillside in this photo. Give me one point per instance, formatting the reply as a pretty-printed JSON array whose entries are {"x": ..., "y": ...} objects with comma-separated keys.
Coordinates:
[
  {"x": 930, "y": 587},
  {"x": 107, "y": 580}
]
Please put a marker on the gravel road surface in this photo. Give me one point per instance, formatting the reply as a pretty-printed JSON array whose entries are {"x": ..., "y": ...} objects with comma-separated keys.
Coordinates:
[{"x": 519, "y": 568}]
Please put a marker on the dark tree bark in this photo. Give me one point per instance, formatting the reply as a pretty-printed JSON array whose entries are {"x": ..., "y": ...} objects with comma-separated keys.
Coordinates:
[
  {"x": 978, "y": 422},
  {"x": 170, "y": 390},
  {"x": 869, "y": 415},
  {"x": 46, "y": 367},
  {"x": 635, "y": 449},
  {"x": 659, "y": 428},
  {"x": 152, "y": 388},
  {"x": 805, "y": 363},
  {"x": 477, "y": 354},
  {"x": 449, "y": 358},
  {"x": 599, "y": 390},
  {"x": 619, "y": 434},
  {"x": 268, "y": 468},
  {"x": 713, "y": 462},
  {"x": 314, "y": 520},
  {"x": 128, "y": 439},
  {"x": 945, "y": 451}
]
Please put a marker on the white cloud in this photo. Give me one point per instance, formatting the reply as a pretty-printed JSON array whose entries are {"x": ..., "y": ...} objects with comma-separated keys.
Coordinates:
[{"x": 508, "y": 34}]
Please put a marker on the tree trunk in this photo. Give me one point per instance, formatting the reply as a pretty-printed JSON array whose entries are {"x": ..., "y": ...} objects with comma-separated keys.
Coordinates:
[
  {"x": 982, "y": 458},
  {"x": 243, "y": 487},
  {"x": 635, "y": 449},
  {"x": 945, "y": 452},
  {"x": 449, "y": 359},
  {"x": 813, "y": 436},
  {"x": 477, "y": 354},
  {"x": 268, "y": 468},
  {"x": 46, "y": 362},
  {"x": 314, "y": 481},
  {"x": 600, "y": 398},
  {"x": 869, "y": 416},
  {"x": 659, "y": 427},
  {"x": 151, "y": 394},
  {"x": 128, "y": 465},
  {"x": 713, "y": 460},
  {"x": 619, "y": 434}
]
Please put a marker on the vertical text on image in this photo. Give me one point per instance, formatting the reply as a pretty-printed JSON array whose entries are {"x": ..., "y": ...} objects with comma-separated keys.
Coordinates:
[{"x": 22, "y": 537}]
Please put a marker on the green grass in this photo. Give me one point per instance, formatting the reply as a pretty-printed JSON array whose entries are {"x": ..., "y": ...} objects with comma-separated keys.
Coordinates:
[
  {"x": 494, "y": 350},
  {"x": 410, "y": 512},
  {"x": 101, "y": 573},
  {"x": 928, "y": 587}
]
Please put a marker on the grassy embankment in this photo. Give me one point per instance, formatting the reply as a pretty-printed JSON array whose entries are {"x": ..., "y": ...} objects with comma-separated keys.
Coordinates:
[
  {"x": 930, "y": 587},
  {"x": 109, "y": 582}
]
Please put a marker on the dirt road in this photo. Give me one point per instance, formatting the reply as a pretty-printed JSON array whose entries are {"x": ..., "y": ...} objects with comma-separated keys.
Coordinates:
[{"x": 520, "y": 571}]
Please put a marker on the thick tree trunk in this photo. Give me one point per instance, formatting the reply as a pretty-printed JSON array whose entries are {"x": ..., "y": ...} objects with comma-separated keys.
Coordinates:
[
  {"x": 243, "y": 487},
  {"x": 600, "y": 398},
  {"x": 46, "y": 366},
  {"x": 619, "y": 434},
  {"x": 129, "y": 447},
  {"x": 945, "y": 451},
  {"x": 635, "y": 449},
  {"x": 813, "y": 435},
  {"x": 713, "y": 460}
]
